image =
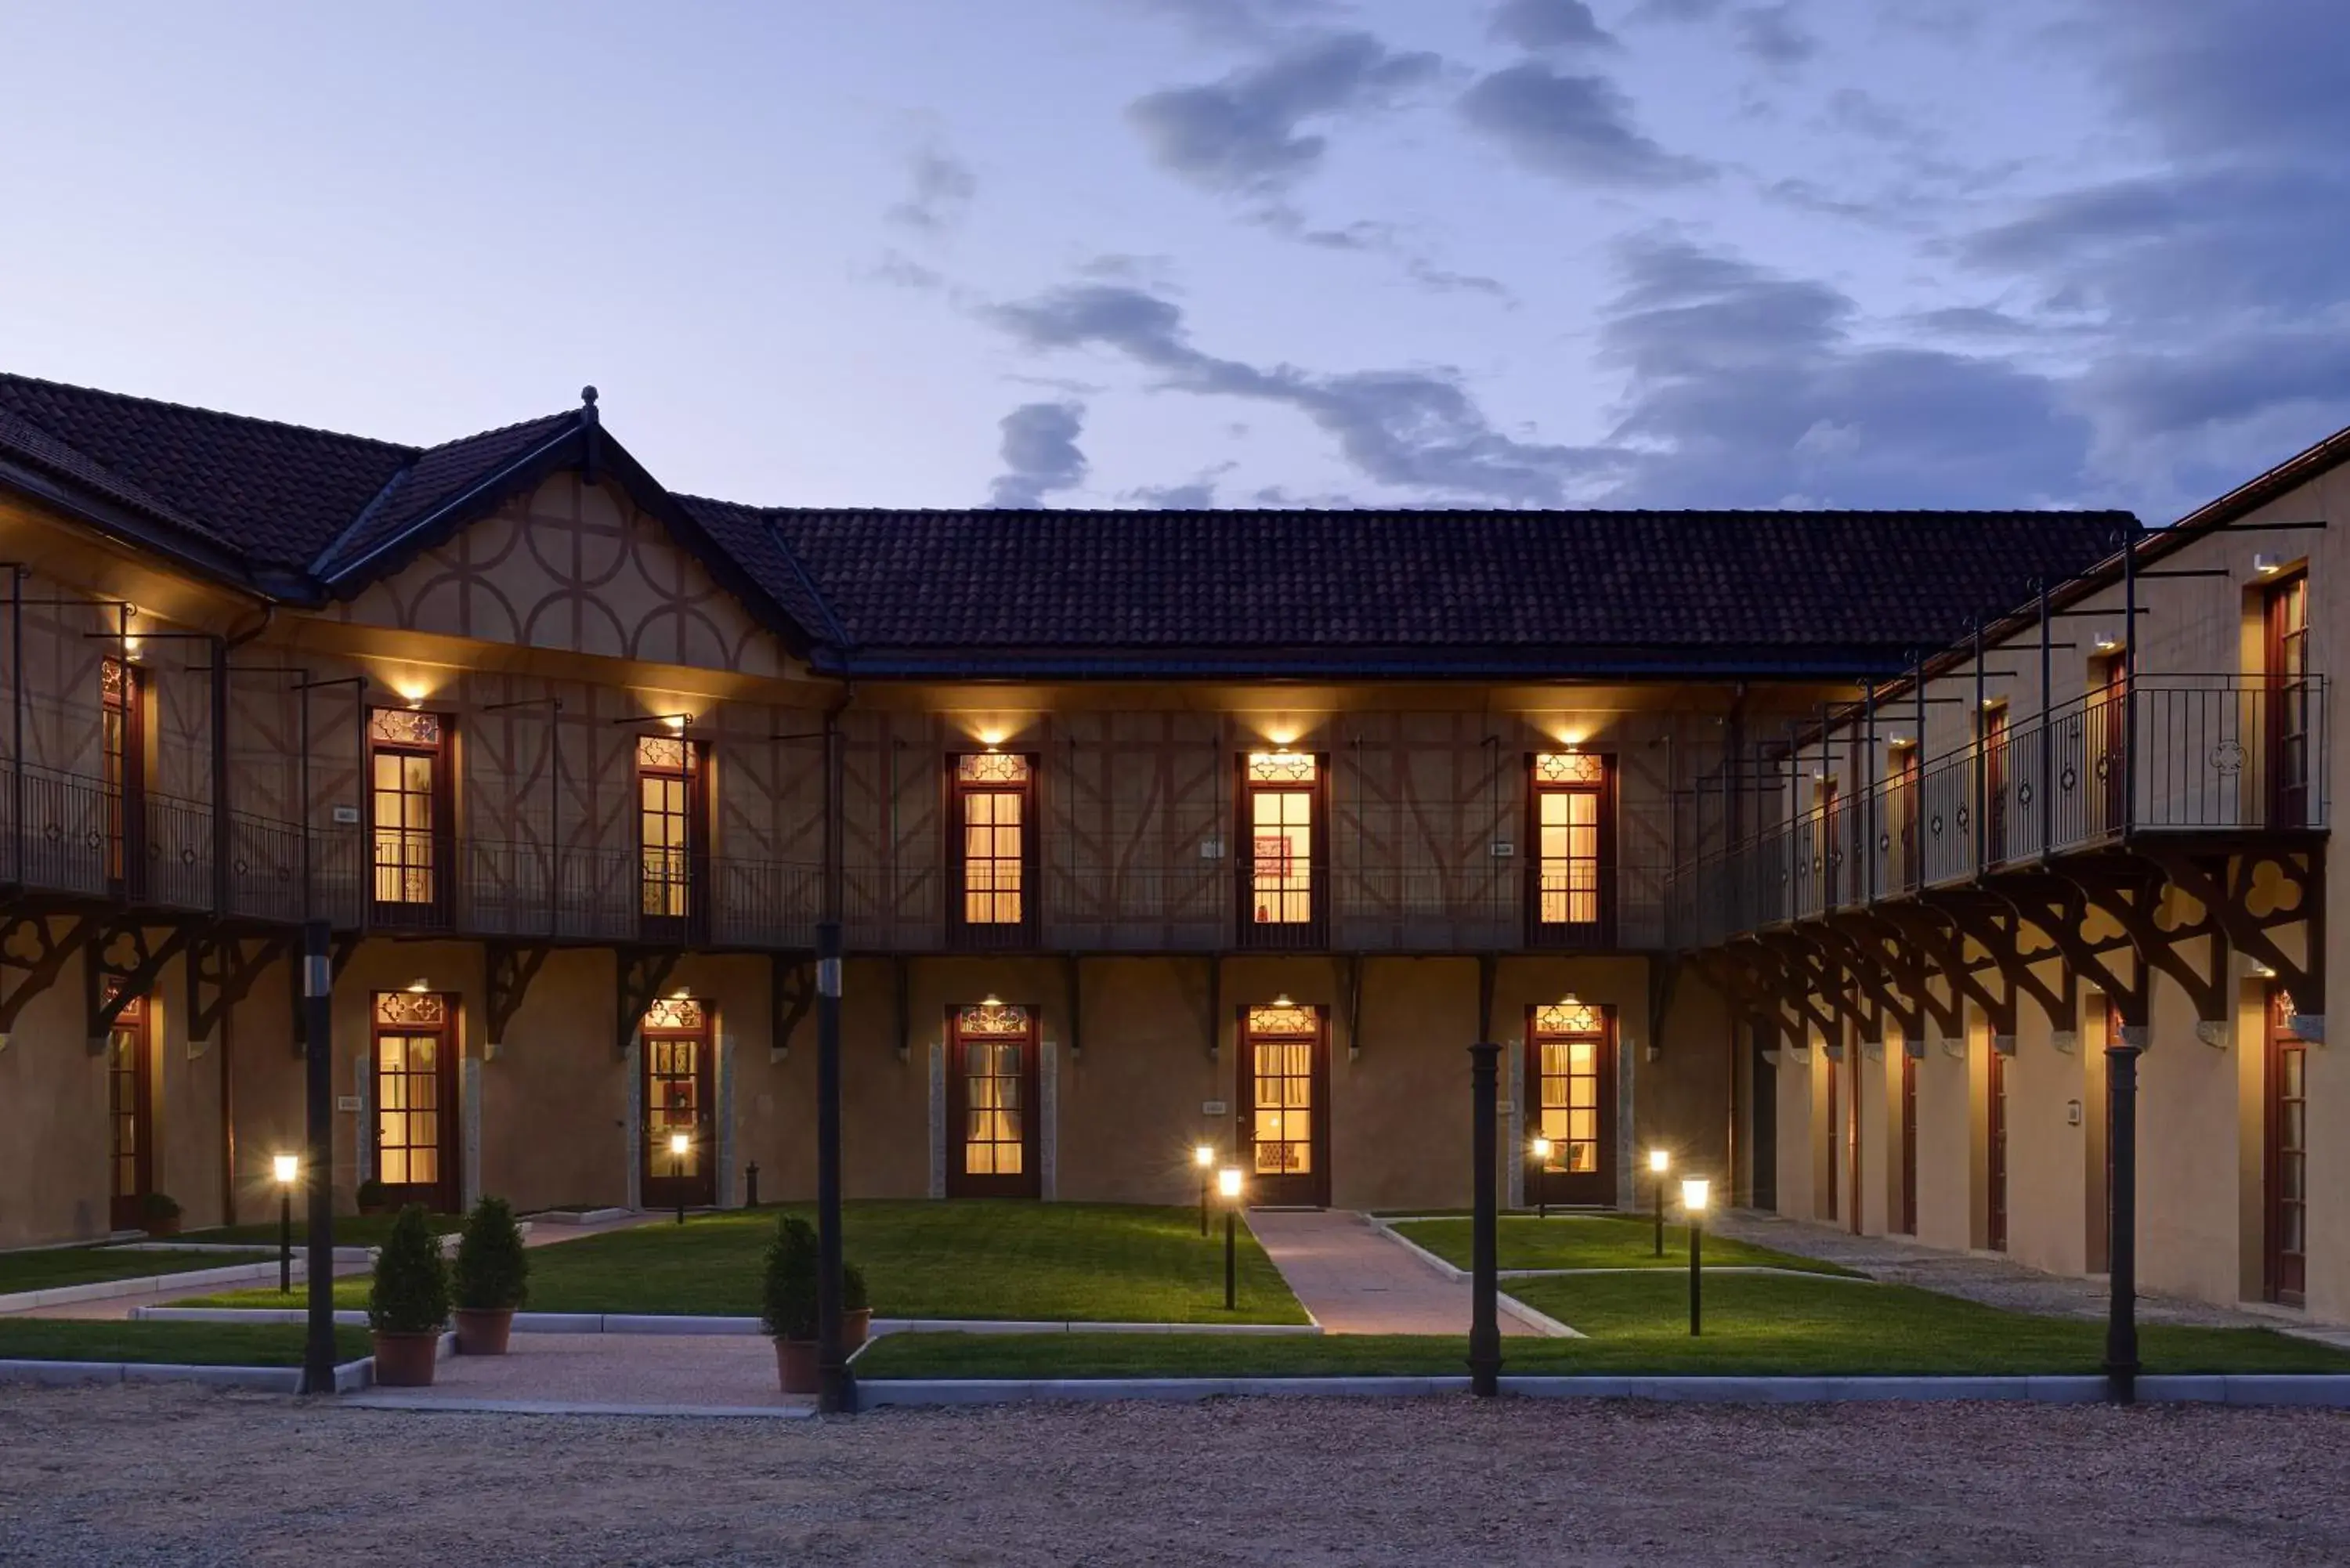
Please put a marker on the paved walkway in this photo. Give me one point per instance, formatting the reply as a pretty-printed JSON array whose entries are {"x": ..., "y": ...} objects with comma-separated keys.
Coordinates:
[
  {"x": 1356, "y": 1281},
  {"x": 642, "y": 1369}
]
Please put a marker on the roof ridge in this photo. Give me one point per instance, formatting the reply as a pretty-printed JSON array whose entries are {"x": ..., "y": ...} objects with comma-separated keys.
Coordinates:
[{"x": 210, "y": 413}]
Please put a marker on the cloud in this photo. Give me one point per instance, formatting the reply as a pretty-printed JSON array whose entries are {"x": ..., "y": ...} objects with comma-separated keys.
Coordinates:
[
  {"x": 943, "y": 187},
  {"x": 1415, "y": 429},
  {"x": 1577, "y": 128},
  {"x": 1040, "y": 453},
  {"x": 1197, "y": 496},
  {"x": 1772, "y": 35},
  {"x": 1247, "y": 133},
  {"x": 1543, "y": 24},
  {"x": 1242, "y": 21}
]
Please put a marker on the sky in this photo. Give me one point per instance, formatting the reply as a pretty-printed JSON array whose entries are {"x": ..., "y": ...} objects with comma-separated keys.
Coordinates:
[{"x": 1229, "y": 252}]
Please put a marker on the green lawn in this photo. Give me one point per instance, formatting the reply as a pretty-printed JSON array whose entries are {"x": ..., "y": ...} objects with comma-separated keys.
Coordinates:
[
  {"x": 186, "y": 1343},
  {"x": 1030, "y": 1261},
  {"x": 53, "y": 1267},
  {"x": 1601, "y": 1241},
  {"x": 1755, "y": 1323},
  {"x": 350, "y": 1230}
]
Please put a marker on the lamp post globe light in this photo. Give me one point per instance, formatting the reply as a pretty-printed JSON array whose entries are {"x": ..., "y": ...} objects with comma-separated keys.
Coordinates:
[
  {"x": 679, "y": 1146},
  {"x": 287, "y": 1169},
  {"x": 1696, "y": 1192},
  {"x": 1660, "y": 1162},
  {"x": 1228, "y": 1186},
  {"x": 1541, "y": 1148},
  {"x": 1204, "y": 1159}
]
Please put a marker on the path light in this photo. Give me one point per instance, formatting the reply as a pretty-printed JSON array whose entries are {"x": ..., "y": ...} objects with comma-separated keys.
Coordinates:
[
  {"x": 1541, "y": 1147},
  {"x": 679, "y": 1146},
  {"x": 1695, "y": 1192},
  {"x": 1660, "y": 1162},
  {"x": 1228, "y": 1184},
  {"x": 1203, "y": 1156},
  {"x": 287, "y": 1169}
]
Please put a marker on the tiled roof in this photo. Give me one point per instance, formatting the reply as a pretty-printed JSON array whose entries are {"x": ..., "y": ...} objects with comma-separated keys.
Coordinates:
[
  {"x": 992, "y": 585},
  {"x": 1427, "y": 579}
]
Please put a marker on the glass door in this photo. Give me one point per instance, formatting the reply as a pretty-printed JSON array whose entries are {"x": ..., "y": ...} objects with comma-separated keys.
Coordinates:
[
  {"x": 1285, "y": 1095},
  {"x": 990, "y": 1100},
  {"x": 676, "y": 1045},
  {"x": 1570, "y": 1078},
  {"x": 416, "y": 1098}
]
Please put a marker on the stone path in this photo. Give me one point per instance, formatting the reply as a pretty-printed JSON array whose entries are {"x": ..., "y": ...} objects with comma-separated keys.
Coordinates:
[
  {"x": 613, "y": 1369},
  {"x": 1356, "y": 1281}
]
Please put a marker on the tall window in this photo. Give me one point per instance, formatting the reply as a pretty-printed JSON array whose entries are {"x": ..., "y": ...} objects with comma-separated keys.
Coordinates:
[
  {"x": 415, "y": 1097},
  {"x": 992, "y": 1079},
  {"x": 675, "y": 1035},
  {"x": 1904, "y": 871},
  {"x": 2107, "y": 730},
  {"x": 1282, "y": 904},
  {"x": 1995, "y": 1152},
  {"x": 669, "y": 824},
  {"x": 1568, "y": 1039},
  {"x": 130, "y": 1104},
  {"x": 993, "y": 800},
  {"x": 1828, "y": 843},
  {"x": 1993, "y": 735},
  {"x": 2289, "y": 699},
  {"x": 122, "y": 740},
  {"x": 1574, "y": 842},
  {"x": 2287, "y": 1271},
  {"x": 407, "y": 775}
]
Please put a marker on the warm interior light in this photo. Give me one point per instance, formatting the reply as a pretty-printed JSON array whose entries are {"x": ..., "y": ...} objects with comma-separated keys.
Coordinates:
[
  {"x": 1280, "y": 999},
  {"x": 678, "y": 722},
  {"x": 1569, "y": 1001},
  {"x": 991, "y": 999},
  {"x": 1659, "y": 1161},
  {"x": 1542, "y": 1147},
  {"x": 1228, "y": 1183},
  {"x": 680, "y": 994},
  {"x": 1203, "y": 1155},
  {"x": 1695, "y": 1192},
  {"x": 416, "y": 986},
  {"x": 287, "y": 1168},
  {"x": 679, "y": 1143}
]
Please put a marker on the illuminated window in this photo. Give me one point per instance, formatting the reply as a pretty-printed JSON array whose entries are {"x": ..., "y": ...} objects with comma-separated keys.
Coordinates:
[
  {"x": 1280, "y": 793},
  {"x": 676, "y": 1044},
  {"x": 129, "y": 1095},
  {"x": 1993, "y": 736},
  {"x": 2292, "y": 698},
  {"x": 414, "y": 1080},
  {"x": 1282, "y": 1041},
  {"x": 122, "y": 745},
  {"x": 405, "y": 762},
  {"x": 994, "y": 794},
  {"x": 994, "y": 1060},
  {"x": 1572, "y": 843},
  {"x": 1568, "y": 1040},
  {"x": 668, "y": 776}
]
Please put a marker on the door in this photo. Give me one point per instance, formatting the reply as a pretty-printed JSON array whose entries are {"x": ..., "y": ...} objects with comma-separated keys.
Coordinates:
[
  {"x": 1834, "y": 1135},
  {"x": 1995, "y": 1162},
  {"x": 673, "y": 838},
  {"x": 130, "y": 1117},
  {"x": 991, "y": 1102},
  {"x": 1283, "y": 900},
  {"x": 123, "y": 747},
  {"x": 2109, "y": 733},
  {"x": 1285, "y": 1095},
  {"x": 416, "y": 1098},
  {"x": 1570, "y": 1079},
  {"x": 2286, "y": 1272},
  {"x": 1829, "y": 846},
  {"x": 2289, "y": 701},
  {"x": 676, "y": 1043},
  {"x": 1994, "y": 774},
  {"x": 1904, "y": 816},
  {"x": 1908, "y": 1142},
  {"x": 409, "y": 817}
]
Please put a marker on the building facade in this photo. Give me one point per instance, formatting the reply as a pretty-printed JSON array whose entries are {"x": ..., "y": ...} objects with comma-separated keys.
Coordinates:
[{"x": 1142, "y": 829}]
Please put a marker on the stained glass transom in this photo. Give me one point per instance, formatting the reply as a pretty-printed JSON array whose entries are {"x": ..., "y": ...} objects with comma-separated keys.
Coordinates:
[
  {"x": 992, "y": 767},
  {"x": 414, "y": 1009}
]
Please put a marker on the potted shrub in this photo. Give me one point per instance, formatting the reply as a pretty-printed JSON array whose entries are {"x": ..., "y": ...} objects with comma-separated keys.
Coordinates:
[
  {"x": 855, "y": 1308},
  {"x": 158, "y": 1214},
  {"x": 409, "y": 1301},
  {"x": 788, "y": 1303},
  {"x": 374, "y": 1198},
  {"x": 491, "y": 1278}
]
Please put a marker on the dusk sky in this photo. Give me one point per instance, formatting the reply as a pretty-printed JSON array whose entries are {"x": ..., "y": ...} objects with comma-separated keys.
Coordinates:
[{"x": 1240, "y": 253}]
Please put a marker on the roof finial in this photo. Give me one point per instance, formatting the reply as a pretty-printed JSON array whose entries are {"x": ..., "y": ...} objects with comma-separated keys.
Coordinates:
[
  {"x": 587, "y": 414},
  {"x": 587, "y": 396}
]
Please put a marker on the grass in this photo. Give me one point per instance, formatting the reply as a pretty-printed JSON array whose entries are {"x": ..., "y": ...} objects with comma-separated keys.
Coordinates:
[
  {"x": 1029, "y": 1261},
  {"x": 185, "y": 1343},
  {"x": 1599, "y": 1241},
  {"x": 1755, "y": 1323},
  {"x": 350, "y": 1231},
  {"x": 52, "y": 1267}
]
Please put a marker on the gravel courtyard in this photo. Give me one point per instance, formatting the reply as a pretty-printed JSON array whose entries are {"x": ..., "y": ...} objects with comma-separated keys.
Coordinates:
[{"x": 182, "y": 1476}]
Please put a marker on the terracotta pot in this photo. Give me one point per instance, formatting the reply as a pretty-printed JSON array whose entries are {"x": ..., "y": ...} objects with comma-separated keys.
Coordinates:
[
  {"x": 796, "y": 1364},
  {"x": 855, "y": 1327},
  {"x": 483, "y": 1330},
  {"x": 405, "y": 1360}
]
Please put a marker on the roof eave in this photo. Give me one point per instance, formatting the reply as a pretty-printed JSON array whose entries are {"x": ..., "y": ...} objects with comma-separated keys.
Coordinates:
[{"x": 128, "y": 526}]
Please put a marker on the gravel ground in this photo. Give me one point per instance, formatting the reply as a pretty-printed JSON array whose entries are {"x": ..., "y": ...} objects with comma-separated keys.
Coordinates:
[{"x": 182, "y": 1476}]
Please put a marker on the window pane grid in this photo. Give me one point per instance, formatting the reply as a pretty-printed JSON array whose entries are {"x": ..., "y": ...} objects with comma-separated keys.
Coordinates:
[
  {"x": 995, "y": 885},
  {"x": 407, "y": 1109},
  {"x": 1566, "y": 850},
  {"x": 1281, "y": 857},
  {"x": 993, "y": 1072}
]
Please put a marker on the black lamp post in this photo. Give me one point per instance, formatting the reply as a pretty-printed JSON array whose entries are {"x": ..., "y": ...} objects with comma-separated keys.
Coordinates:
[
  {"x": 1228, "y": 1182},
  {"x": 1695, "y": 1192},
  {"x": 1658, "y": 1163},
  {"x": 287, "y": 1168},
  {"x": 679, "y": 1146},
  {"x": 1541, "y": 1148},
  {"x": 1203, "y": 1156}
]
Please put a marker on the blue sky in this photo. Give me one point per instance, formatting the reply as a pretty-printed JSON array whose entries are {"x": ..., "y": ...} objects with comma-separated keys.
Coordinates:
[{"x": 1490, "y": 253}]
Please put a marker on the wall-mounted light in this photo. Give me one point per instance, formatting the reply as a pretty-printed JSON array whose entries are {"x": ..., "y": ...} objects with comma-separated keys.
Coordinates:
[
  {"x": 2268, "y": 566},
  {"x": 2108, "y": 642},
  {"x": 677, "y": 721},
  {"x": 1280, "y": 999},
  {"x": 418, "y": 985}
]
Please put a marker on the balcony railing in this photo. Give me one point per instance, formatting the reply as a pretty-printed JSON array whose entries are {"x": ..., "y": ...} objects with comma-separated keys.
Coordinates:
[{"x": 2182, "y": 754}]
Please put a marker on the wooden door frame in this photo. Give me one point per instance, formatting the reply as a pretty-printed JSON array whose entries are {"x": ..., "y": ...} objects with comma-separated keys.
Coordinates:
[
  {"x": 1599, "y": 934},
  {"x": 435, "y": 912},
  {"x": 1282, "y": 936},
  {"x": 1565, "y": 1189},
  {"x": 1313, "y": 1188},
  {"x": 2278, "y": 691},
  {"x": 701, "y": 1190},
  {"x": 959, "y": 1182},
  {"x": 1908, "y": 1093},
  {"x": 960, "y": 931},
  {"x": 447, "y": 1192},
  {"x": 126, "y": 1210},
  {"x": 693, "y": 925},
  {"x": 1996, "y": 1130},
  {"x": 2274, "y": 1286},
  {"x": 127, "y": 832}
]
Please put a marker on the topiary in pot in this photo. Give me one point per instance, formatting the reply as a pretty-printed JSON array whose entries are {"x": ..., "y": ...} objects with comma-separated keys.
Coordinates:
[
  {"x": 788, "y": 1303},
  {"x": 158, "y": 1214},
  {"x": 855, "y": 1307},
  {"x": 492, "y": 1278},
  {"x": 374, "y": 1198},
  {"x": 409, "y": 1301}
]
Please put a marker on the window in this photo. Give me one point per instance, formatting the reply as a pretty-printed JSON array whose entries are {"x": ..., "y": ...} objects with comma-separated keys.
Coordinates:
[
  {"x": 1993, "y": 735},
  {"x": 991, "y": 1075},
  {"x": 415, "y": 1097},
  {"x": 992, "y": 812},
  {"x": 1573, "y": 834},
  {"x": 1569, "y": 1084},
  {"x": 130, "y": 1103},
  {"x": 1283, "y": 1134},
  {"x": 406, "y": 773},
  {"x": 2290, "y": 697},
  {"x": 1281, "y": 898},
  {"x": 675, "y": 1040},
  {"x": 2109, "y": 702},
  {"x": 122, "y": 740},
  {"x": 2286, "y": 1271},
  {"x": 670, "y": 822},
  {"x": 1906, "y": 869}
]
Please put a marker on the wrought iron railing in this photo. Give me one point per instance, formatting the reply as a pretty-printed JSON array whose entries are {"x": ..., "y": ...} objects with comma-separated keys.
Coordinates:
[{"x": 2180, "y": 754}]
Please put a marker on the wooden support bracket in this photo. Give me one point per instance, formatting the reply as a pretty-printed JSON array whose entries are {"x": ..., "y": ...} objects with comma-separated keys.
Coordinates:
[
  {"x": 126, "y": 958},
  {"x": 791, "y": 993},
  {"x": 221, "y": 971},
  {"x": 512, "y": 967},
  {"x": 2225, "y": 884},
  {"x": 642, "y": 974},
  {"x": 32, "y": 955}
]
